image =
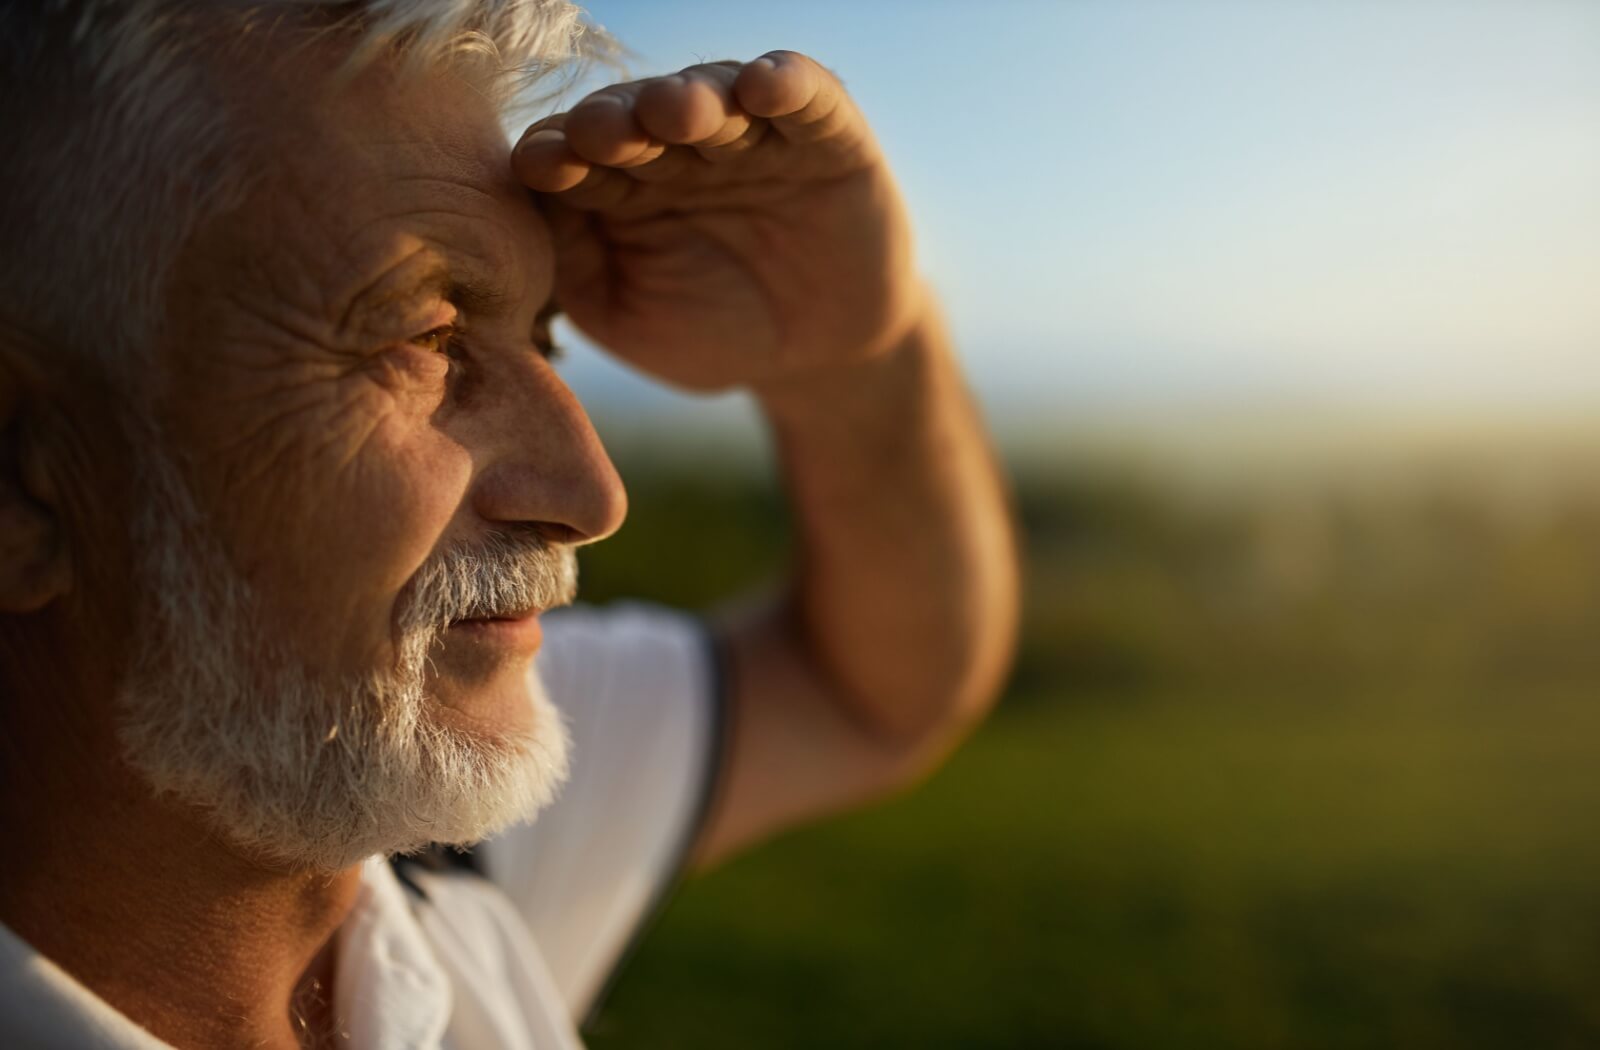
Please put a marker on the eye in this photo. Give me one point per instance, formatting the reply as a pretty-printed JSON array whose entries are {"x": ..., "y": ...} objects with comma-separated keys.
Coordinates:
[{"x": 439, "y": 340}]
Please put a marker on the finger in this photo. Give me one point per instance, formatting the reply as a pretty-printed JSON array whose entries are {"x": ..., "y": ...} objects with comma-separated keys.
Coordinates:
[
  {"x": 726, "y": 151},
  {"x": 581, "y": 260},
  {"x": 602, "y": 189},
  {"x": 602, "y": 128},
  {"x": 803, "y": 101},
  {"x": 675, "y": 162},
  {"x": 693, "y": 107},
  {"x": 544, "y": 161},
  {"x": 732, "y": 133}
]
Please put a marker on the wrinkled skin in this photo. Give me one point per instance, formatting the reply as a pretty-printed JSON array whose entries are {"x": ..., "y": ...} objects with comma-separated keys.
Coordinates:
[
  {"x": 732, "y": 224},
  {"x": 338, "y": 437},
  {"x": 337, "y": 432},
  {"x": 729, "y": 225}
]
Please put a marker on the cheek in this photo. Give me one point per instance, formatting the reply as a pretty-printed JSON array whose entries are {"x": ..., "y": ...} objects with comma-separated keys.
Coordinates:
[
  {"x": 415, "y": 380},
  {"x": 368, "y": 517},
  {"x": 399, "y": 497}
]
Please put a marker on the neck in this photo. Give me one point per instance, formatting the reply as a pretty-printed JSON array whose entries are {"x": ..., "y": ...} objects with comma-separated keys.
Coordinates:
[{"x": 139, "y": 902}]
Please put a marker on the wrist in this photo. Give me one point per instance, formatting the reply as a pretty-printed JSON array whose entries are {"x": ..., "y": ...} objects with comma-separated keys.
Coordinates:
[{"x": 868, "y": 377}]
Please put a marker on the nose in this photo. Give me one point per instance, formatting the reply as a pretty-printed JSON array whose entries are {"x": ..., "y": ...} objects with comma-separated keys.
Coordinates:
[{"x": 544, "y": 465}]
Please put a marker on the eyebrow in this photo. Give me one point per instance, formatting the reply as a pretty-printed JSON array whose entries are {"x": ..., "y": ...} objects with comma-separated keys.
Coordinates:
[
  {"x": 472, "y": 294},
  {"x": 393, "y": 287},
  {"x": 468, "y": 293}
]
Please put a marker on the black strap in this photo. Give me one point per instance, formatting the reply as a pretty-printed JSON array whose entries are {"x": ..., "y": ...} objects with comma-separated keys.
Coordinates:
[{"x": 438, "y": 859}]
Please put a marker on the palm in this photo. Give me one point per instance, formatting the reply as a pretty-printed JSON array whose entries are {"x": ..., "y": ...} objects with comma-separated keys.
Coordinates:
[{"x": 718, "y": 248}]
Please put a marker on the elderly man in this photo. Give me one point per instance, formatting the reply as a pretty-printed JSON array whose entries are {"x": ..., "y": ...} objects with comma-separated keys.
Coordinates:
[{"x": 288, "y": 479}]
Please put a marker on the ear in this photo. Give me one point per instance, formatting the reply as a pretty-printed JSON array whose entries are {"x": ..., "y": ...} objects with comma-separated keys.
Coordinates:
[{"x": 35, "y": 568}]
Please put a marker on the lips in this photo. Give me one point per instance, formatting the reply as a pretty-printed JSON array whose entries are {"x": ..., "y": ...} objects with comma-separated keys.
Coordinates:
[{"x": 515, "y": 631}]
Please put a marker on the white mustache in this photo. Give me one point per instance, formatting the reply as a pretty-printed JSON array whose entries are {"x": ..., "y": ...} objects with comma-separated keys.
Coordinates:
[{"x": 508, "y": 574}]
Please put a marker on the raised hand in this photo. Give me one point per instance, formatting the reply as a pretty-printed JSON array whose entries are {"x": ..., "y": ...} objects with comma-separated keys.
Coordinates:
[{"x": 731, "y": 224}]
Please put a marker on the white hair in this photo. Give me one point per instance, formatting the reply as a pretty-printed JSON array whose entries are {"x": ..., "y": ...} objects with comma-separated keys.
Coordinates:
[
  {"x": 120, "y": 144},
  {"x": 303, "y": 767}
]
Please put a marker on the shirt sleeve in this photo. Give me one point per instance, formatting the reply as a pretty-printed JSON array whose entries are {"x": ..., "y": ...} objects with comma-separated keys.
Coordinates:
[{"x": 637, "y": 686}]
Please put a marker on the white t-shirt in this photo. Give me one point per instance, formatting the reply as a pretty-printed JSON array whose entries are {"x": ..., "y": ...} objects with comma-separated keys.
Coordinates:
[{"x": 457, "y": 960}]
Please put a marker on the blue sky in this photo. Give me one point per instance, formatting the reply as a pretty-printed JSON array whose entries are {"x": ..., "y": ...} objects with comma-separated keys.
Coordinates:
[{"x": 1150, "y": 202}]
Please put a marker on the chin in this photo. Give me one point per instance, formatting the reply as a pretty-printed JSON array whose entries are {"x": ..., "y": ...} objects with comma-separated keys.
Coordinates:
[
  {"x": 451, "y": 740},
  {"x": 506, "y": 707},
  {"x": 395, "y": 772},
  {"x": 306, "y": 771}
]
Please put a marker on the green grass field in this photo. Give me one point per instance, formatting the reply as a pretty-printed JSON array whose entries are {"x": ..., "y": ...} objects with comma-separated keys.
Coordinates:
[{"x": 1274, "y": 772}]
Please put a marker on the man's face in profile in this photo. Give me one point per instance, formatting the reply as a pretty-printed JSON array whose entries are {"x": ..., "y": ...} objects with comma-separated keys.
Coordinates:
[{"x": 369, "y": 483}]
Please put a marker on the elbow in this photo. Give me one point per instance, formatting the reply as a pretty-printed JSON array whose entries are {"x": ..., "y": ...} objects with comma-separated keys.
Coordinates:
[
  {"x": 918, "y": 682},
  {"x": 947, "y": 697},
  {"x": 967, "y": 674}
]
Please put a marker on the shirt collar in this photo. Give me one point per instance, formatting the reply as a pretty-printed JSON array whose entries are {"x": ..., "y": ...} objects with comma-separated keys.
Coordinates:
[
  {"x": 389, "y": 986},
  {"x": 390, "y": 989}
]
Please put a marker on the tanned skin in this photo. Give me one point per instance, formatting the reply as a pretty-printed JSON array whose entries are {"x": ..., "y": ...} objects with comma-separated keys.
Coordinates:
[{"x": 732, "y": 225}]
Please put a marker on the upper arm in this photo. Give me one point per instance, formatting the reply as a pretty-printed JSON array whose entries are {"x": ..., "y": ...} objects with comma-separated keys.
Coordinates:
[
  {"x": 677, "y": 752},
  {"x": 795, "y": 751}
]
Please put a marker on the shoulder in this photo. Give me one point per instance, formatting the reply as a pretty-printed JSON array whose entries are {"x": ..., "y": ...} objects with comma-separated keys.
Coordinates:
[{"x": 592, "y": 645}]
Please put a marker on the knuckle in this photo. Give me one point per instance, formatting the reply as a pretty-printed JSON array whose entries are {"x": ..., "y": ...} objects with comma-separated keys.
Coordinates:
[
  {"x": 719, "y": 72},
  {"x": 604, "y": 98}
]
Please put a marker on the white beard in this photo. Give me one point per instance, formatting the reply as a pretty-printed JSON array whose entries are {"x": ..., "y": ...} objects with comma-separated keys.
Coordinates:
[{"x": 305, "y": 771}]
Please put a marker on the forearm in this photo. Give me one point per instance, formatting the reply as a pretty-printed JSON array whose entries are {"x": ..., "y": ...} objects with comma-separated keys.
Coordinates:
[{"x": 905, "y": 590}]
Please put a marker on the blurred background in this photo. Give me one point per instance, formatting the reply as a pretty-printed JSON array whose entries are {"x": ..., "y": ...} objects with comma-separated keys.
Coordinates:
[{"x": 1286, "y": 316}]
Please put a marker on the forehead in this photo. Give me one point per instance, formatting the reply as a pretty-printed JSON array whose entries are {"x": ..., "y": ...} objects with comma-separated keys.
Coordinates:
[{"x": 386, "y": 172}]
